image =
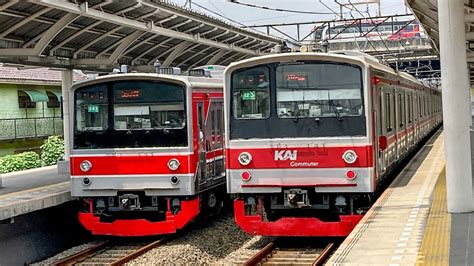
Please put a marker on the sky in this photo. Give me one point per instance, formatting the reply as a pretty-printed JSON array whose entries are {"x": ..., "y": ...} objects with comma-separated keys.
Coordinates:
[{"x": 255, "y": 16}]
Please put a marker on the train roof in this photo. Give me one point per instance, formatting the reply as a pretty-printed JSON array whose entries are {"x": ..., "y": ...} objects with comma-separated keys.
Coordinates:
[
  {"x": 341, "y": 56},
  {"x": 193, "y": 81}
]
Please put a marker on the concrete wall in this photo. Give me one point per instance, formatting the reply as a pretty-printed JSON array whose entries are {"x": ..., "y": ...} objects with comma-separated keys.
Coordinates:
[
  {"x": 9, "y": 102},
  {"x": 41, "y": 234}
]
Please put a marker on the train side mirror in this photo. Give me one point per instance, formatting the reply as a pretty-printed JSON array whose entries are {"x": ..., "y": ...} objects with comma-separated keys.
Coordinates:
[{"x": 382, "y": 143}]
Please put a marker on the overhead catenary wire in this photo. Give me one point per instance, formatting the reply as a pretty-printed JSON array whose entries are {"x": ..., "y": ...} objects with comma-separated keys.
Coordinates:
[
  {"x": 218, "y": 14},
  {"x": 280, "y": 9}
]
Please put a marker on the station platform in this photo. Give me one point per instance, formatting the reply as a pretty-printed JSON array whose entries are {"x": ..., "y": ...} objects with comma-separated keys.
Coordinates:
[
  {"x": 31, "y": 190},
  {"x": 409, "y": 223}
]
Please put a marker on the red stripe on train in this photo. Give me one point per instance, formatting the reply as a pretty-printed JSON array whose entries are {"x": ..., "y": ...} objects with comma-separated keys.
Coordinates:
[
  {"x": 308, "y": 157},
  {"x": 130, "y": 165},
  {"x": 301, "y": 185}
]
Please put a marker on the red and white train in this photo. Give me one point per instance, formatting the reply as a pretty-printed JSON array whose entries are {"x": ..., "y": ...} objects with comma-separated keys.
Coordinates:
[
  {"x": 310, "y": 137},
  {"x": 370, "y": 30},
  {"x": 146, "y": 151}
]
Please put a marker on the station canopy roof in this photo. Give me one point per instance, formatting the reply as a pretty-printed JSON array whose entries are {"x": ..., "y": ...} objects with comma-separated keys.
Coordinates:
[
  {"x": 102, "y": 34},
  {"x": 426, "y": 11}
]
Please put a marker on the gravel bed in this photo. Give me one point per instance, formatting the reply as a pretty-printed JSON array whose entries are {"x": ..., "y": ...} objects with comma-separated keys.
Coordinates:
[
  {"x": 65, "y": 253},
  {"x": 219, "y": 242}
]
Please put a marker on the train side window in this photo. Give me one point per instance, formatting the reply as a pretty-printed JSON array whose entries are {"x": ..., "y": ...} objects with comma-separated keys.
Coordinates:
[
  {"x": 410, "y": 109},
  {"x": 420, "y": 104},
  {"x": 388, "y": 113},
  {"x": 401, "y": 109}
]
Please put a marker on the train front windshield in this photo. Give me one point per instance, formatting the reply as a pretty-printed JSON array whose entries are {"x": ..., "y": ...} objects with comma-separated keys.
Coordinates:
[
  {"x": 304, "y": 99},
  {"x": 130, "y": 114}
]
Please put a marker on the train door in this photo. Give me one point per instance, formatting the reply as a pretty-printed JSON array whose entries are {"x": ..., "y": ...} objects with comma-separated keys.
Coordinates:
[
  {"x": 379, "y": 123},
  {"x": 217, "y": 145},
  {"x": 201, "y": 143},
  {"x": 214, "y": 142}
]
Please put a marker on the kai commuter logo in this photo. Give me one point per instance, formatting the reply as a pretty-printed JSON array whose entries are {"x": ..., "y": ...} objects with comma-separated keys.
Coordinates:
[{"x": 285, "y": 155}]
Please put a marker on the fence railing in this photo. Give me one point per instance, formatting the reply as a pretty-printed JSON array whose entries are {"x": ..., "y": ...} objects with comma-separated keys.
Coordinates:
[{"x": 21, "y": 128}]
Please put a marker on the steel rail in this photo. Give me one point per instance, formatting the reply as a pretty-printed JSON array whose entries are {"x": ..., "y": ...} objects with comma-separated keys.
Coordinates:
[
  {"x": 324, "y": 255},
  {"x": 82, "y": 255},
  {"x": 260, "y": 255}
]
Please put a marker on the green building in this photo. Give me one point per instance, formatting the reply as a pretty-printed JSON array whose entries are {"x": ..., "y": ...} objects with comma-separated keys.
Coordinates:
[{"x": 30, "y": 106}]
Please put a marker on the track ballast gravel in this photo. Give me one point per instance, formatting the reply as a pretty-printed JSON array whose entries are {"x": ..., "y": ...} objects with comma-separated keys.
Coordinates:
[{"x": 219, "y": 242}]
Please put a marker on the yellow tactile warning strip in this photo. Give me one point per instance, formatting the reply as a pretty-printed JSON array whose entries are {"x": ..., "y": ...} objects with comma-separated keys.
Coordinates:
[{"x": 435, "y": 245}]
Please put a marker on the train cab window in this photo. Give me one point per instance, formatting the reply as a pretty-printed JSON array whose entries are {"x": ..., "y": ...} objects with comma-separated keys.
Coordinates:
[
  {"x": 142, "y": 105},
  {"x": 251, "y": 93},
  {"x": 92, "y": 108},
  {"x": 318, "y": 90},
  {"x": 130, "y": 114}
]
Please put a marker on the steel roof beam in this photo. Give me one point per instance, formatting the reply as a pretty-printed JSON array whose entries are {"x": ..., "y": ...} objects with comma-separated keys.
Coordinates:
[
  {"x": 175, "y": 53},
  {"x": 194, "y": 56},
  {"x": 204, "y": 58},
  {"x": 229, "y": 59},
  {"x": 181, "y": 24},
  {"x": 91, "y": 13},
  {"x": 96, "y": 40},
  {"x": 152, "y": 61},
  {"x": 126, "y": 42},
  {"x": 24, "y": 21},
  {"x": 151, "y": 49},
  {"x": 167, "y": 18},
  {"x": 140, "y": 43},
  {"x": 97, "y": 23},
  {"x": 194, "y": 28},
  {"x": 216, "y": 57},
  {"x": 46, "y": 38},
  {"x": 7, "y": 5},
  {"x": 184, "y": 15}
]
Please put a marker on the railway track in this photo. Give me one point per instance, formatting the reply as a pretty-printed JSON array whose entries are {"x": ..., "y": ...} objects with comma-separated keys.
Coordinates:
[
  {"x": 110, "y": 253},
  {"x": 277, "y": 254}
]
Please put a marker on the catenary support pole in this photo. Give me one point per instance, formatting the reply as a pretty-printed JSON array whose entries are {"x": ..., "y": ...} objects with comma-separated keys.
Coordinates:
[{"x": 456, "y": 105}]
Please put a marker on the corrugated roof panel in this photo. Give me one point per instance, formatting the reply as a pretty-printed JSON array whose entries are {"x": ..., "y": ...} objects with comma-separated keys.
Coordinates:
[
  {"x": 26, "y": 7},
  {"x": 30, "y": 30},
  {"x": 104, "y": 36},
  {"x": 6, "y": 22},
  {"x": 84, "y": 21}
]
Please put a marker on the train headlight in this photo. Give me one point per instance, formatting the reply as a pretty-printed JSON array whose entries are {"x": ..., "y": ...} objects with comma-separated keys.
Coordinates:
[
  {"x": 245, "y": 158},
  {"x": 85, "y": 166},
  {"x": 173, "y": 164},
  {"x": 349, "y": 156}
]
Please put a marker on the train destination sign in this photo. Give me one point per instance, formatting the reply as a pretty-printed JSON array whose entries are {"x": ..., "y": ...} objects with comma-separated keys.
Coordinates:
[
  {"x": 248, "y": 95},
  {"x": 129, "y": 94}
]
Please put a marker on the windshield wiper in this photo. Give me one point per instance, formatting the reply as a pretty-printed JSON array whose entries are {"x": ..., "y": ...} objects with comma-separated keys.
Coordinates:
[{"x": 336, "y": 112}]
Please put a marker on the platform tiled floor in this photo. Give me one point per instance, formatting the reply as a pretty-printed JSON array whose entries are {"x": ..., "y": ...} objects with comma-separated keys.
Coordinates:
[{"x": 391, "y": 233}]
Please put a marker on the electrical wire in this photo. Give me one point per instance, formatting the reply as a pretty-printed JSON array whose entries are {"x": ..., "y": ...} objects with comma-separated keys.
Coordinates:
[
  {"x": 218, "y": 14},
  {"x": 281, "y": 9}
]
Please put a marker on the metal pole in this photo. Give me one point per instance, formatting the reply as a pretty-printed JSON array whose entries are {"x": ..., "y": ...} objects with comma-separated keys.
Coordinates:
[
  {"x": 456, "y": 105},
  {"x": 66, "y": 83}
]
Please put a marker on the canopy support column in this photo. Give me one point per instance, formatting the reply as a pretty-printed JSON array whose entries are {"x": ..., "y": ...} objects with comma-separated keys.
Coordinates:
[
  {"x": 456, "y": 105},
  {"x": 66, "y": 83}
]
